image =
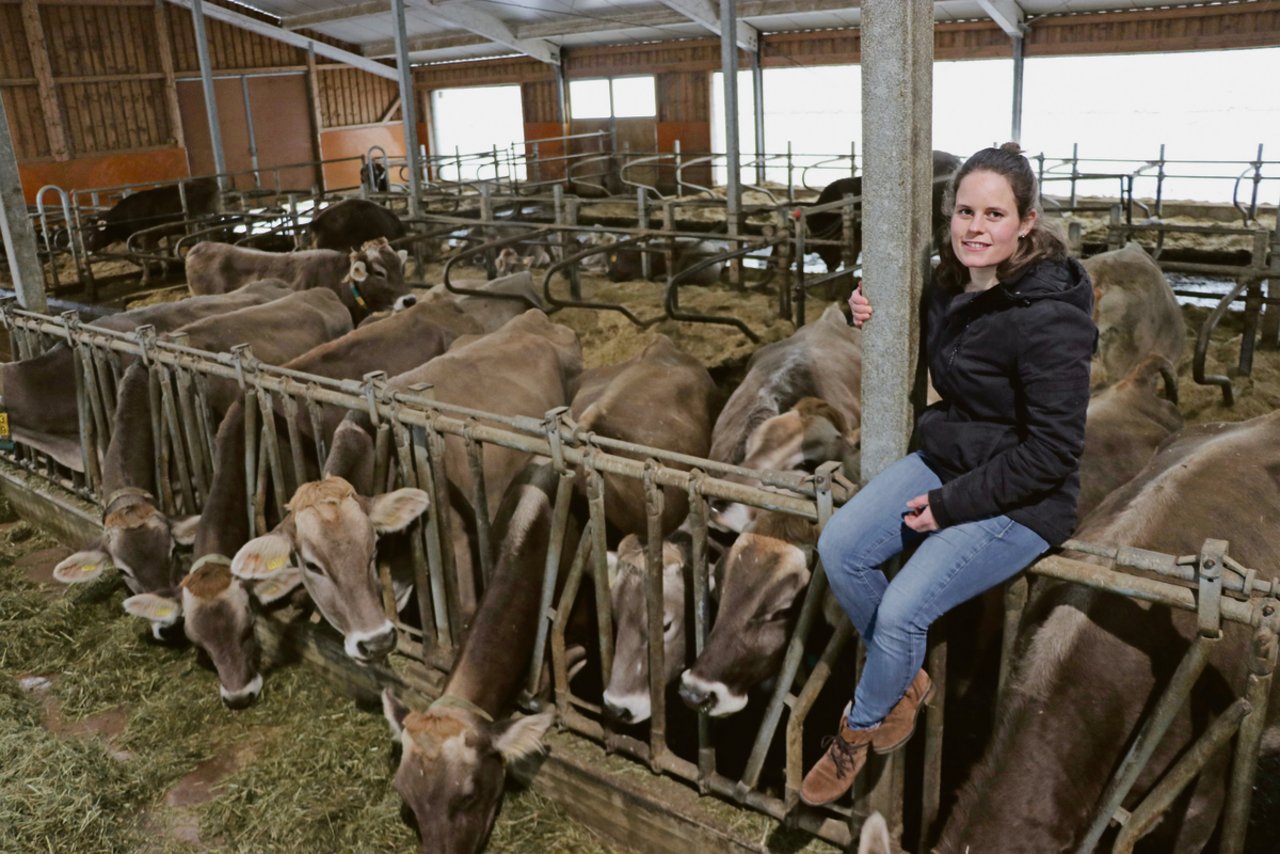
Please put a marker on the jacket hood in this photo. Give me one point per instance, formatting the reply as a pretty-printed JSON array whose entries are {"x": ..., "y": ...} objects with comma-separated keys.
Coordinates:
[{"x": 1052, "y": 279}]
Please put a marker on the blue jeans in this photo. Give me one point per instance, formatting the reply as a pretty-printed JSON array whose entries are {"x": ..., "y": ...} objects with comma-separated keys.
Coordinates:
[{"x": 950, "y": 566}]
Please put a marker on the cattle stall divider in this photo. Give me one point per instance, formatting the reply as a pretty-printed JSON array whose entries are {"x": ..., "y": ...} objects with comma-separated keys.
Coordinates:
[{"x": 412, "y": 431}]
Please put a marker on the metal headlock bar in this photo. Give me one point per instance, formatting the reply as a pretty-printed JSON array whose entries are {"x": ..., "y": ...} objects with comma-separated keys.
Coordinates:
[{"x": 412, "y": 432}]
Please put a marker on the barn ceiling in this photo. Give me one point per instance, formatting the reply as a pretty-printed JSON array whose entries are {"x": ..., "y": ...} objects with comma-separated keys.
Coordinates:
[{"x": 456, "y": 30}]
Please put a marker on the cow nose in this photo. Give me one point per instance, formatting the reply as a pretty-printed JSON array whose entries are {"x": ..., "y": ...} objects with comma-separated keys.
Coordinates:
[
  {"x": 695, "y": 697},
  {"x": 620, "y": 714},
  {"x": 377, "y": 646}
]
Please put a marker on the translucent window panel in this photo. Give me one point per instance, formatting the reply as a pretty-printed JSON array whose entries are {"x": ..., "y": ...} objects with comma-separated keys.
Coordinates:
[
  {"x": 469, "y": 122},
  {"x": 634, "y": 97},
  {"x": 589, "y": 99}
]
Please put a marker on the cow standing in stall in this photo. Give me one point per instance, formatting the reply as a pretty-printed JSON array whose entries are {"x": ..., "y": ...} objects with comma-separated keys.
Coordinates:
[
  {"x": 147, "y": 209},
  {"x": 367, "y": 280},
  {"x": 138, "y": 539},
  {"x": 348, "y": 225},
  {"x": 39, "y": 393},
  {"x": 815, "y": 374},
  {"x": 524, "y": 369},
  {"x": 1136, "y": 312},
  {"x": 216, "y": 606},
  {"x": 1095, "y": 661}
]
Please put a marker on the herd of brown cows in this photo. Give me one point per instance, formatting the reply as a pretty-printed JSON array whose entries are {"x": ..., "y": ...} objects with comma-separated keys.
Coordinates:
[{"x": 1091, "y": 664}]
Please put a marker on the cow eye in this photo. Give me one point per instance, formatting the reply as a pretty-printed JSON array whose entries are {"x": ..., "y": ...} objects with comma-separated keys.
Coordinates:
[
  {"x": 667, "y": 626},
  {"x": 312, "y": 566}
]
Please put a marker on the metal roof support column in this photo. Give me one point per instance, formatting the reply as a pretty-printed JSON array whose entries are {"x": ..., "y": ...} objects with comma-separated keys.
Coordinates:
[
  {"x": 897, "y": 80},
  {"x": 408, "y": 109},
  {"x": 757, "y": 84},
  {"x": 15, "y": 226},
  {"x": 1015, "y": 133},
  {"x": 210, "y": 98},
  {"x": 729, "y": 65}
]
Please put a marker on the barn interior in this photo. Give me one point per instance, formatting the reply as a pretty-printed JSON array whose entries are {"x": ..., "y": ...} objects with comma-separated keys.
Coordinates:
[{"x": 614, "y": 154}]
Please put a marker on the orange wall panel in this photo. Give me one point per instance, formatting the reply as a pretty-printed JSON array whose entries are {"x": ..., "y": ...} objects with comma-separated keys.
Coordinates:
[
  {"x": 109, "y": 170},
  {"x": 355, "y": 142}
]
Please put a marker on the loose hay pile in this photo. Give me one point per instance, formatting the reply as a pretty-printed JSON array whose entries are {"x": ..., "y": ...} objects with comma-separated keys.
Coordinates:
[{"x": 305, "y": 770}]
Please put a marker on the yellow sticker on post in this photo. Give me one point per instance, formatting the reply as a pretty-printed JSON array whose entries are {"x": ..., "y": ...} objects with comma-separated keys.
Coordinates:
[{"x": 6, "y": 440}]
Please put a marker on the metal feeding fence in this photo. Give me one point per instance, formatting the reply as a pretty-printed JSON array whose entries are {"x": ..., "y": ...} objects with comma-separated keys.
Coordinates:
[{"x": 411, "y": 432}]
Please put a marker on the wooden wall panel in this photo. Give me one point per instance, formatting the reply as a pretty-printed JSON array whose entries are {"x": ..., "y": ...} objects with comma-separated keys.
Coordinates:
[
  {"x": 684, "y": 96},
  {"x": 115, "y": 116},
  {"x": 350, "y": 97},
  {"x": 230, "y": 48},
  {"x": 87, "y": 41},
  {"x": 1238, "y": 25},
  {"x": 541, "y": 102},
  {"x": 29, "y": 137},
  {"x": 355, "y": 142},
  {"x": 15, "y": 59}
]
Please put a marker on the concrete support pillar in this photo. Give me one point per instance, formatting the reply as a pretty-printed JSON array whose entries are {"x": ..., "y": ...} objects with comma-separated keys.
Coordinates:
[
  {"x": 897, "y": 130},
  {"x": 19, "y": 239},
  {"x": 408, "y": 108}
]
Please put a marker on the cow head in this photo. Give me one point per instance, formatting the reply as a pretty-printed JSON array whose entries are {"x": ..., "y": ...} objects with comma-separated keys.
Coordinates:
[
  {"x": 804, "y": 437},
  {"x": 219, "y": 619},
  {"x": 97, "y": 235},
  {"x": 334, "y": 532},
  {"x": 627, "y": 696},
  {"x": 765, "y": 571},
  {"x": 453, "y": 764},
  {"x": 139, "y": 541},
  {"x": 376, "y": 276}
]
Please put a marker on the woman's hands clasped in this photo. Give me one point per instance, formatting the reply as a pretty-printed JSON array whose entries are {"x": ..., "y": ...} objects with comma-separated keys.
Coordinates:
[
  {"x": 859, "y": 306},
  {"x": 919, "y": 516}
]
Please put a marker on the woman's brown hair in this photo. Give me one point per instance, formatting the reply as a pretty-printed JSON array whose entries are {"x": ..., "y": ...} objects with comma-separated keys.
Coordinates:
[{"x": 1044, "y": 240}]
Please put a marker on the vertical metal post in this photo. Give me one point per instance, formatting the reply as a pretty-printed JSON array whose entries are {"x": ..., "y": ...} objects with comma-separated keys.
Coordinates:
[
  {"x": 248, "y": 121},
  {"x": 729, "y": 65},
  {"x": 210, "y": 98},
  {"x": 1015, "y": 132},
  {"x": 19, "y": 239},
  {"x": 408, "y": 111},
  {"x": 757, "y": 90}
]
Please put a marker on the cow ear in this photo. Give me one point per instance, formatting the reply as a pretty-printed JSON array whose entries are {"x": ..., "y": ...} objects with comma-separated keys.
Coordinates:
[
  {"x": 404, "y": 255},
  {"x": 358, "y": 271},
  {"x": 395, "y": 712},
  {"x": 394, "y": 511},
  {"x": 523, "y": 736},
  {"x": 160, "y": 610},
  {"x": 184, "y": 530},
  {"x": 278, "y": 585},
  {"x": 262, "y": 557},
  {"x": 82, "y": 566}
]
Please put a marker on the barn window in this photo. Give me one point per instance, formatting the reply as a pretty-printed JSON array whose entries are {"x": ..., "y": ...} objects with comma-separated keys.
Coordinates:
[
  {"x": 469, "y": 123},
  {"x": 619, "y": 97}
]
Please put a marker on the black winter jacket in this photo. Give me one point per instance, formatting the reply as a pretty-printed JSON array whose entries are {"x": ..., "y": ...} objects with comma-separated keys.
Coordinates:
[{"x": 1012, "y": 367}]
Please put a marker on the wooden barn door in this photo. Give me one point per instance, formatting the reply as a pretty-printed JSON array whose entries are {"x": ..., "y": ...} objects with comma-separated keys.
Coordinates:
[{"x": 282, "y": 131}]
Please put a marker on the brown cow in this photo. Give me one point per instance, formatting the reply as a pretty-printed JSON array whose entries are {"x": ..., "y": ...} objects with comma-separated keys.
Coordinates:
[
  {"x": 39, "y": 393},
  {"x": 1125, "y": 424},
  {"x": 454, "y": 755},
  {"x": 1136, "y": 313},
  {"x": 138, "y": 539},
  {"x": 400, "y": 342},
  {"x": 367, "y": 280},
  {"x": 1095, "y": 662},
  {"x": 524, "y": 369}
]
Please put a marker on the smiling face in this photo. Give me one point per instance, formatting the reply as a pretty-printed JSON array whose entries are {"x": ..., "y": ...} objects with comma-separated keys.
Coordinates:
[{"x": 985, "y": 226}]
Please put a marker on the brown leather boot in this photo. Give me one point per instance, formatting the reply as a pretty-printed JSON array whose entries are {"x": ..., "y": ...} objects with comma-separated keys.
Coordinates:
[
  {"x": 900, "y": 723},
  {"x": 834, "y": 773}
]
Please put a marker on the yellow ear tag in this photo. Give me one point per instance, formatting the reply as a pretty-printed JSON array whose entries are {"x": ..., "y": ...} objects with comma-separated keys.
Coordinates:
[
  {"x": 164, "y": 613},
  {"x": 87, "y": 568},
  {"x": 275, "y": 563}
]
